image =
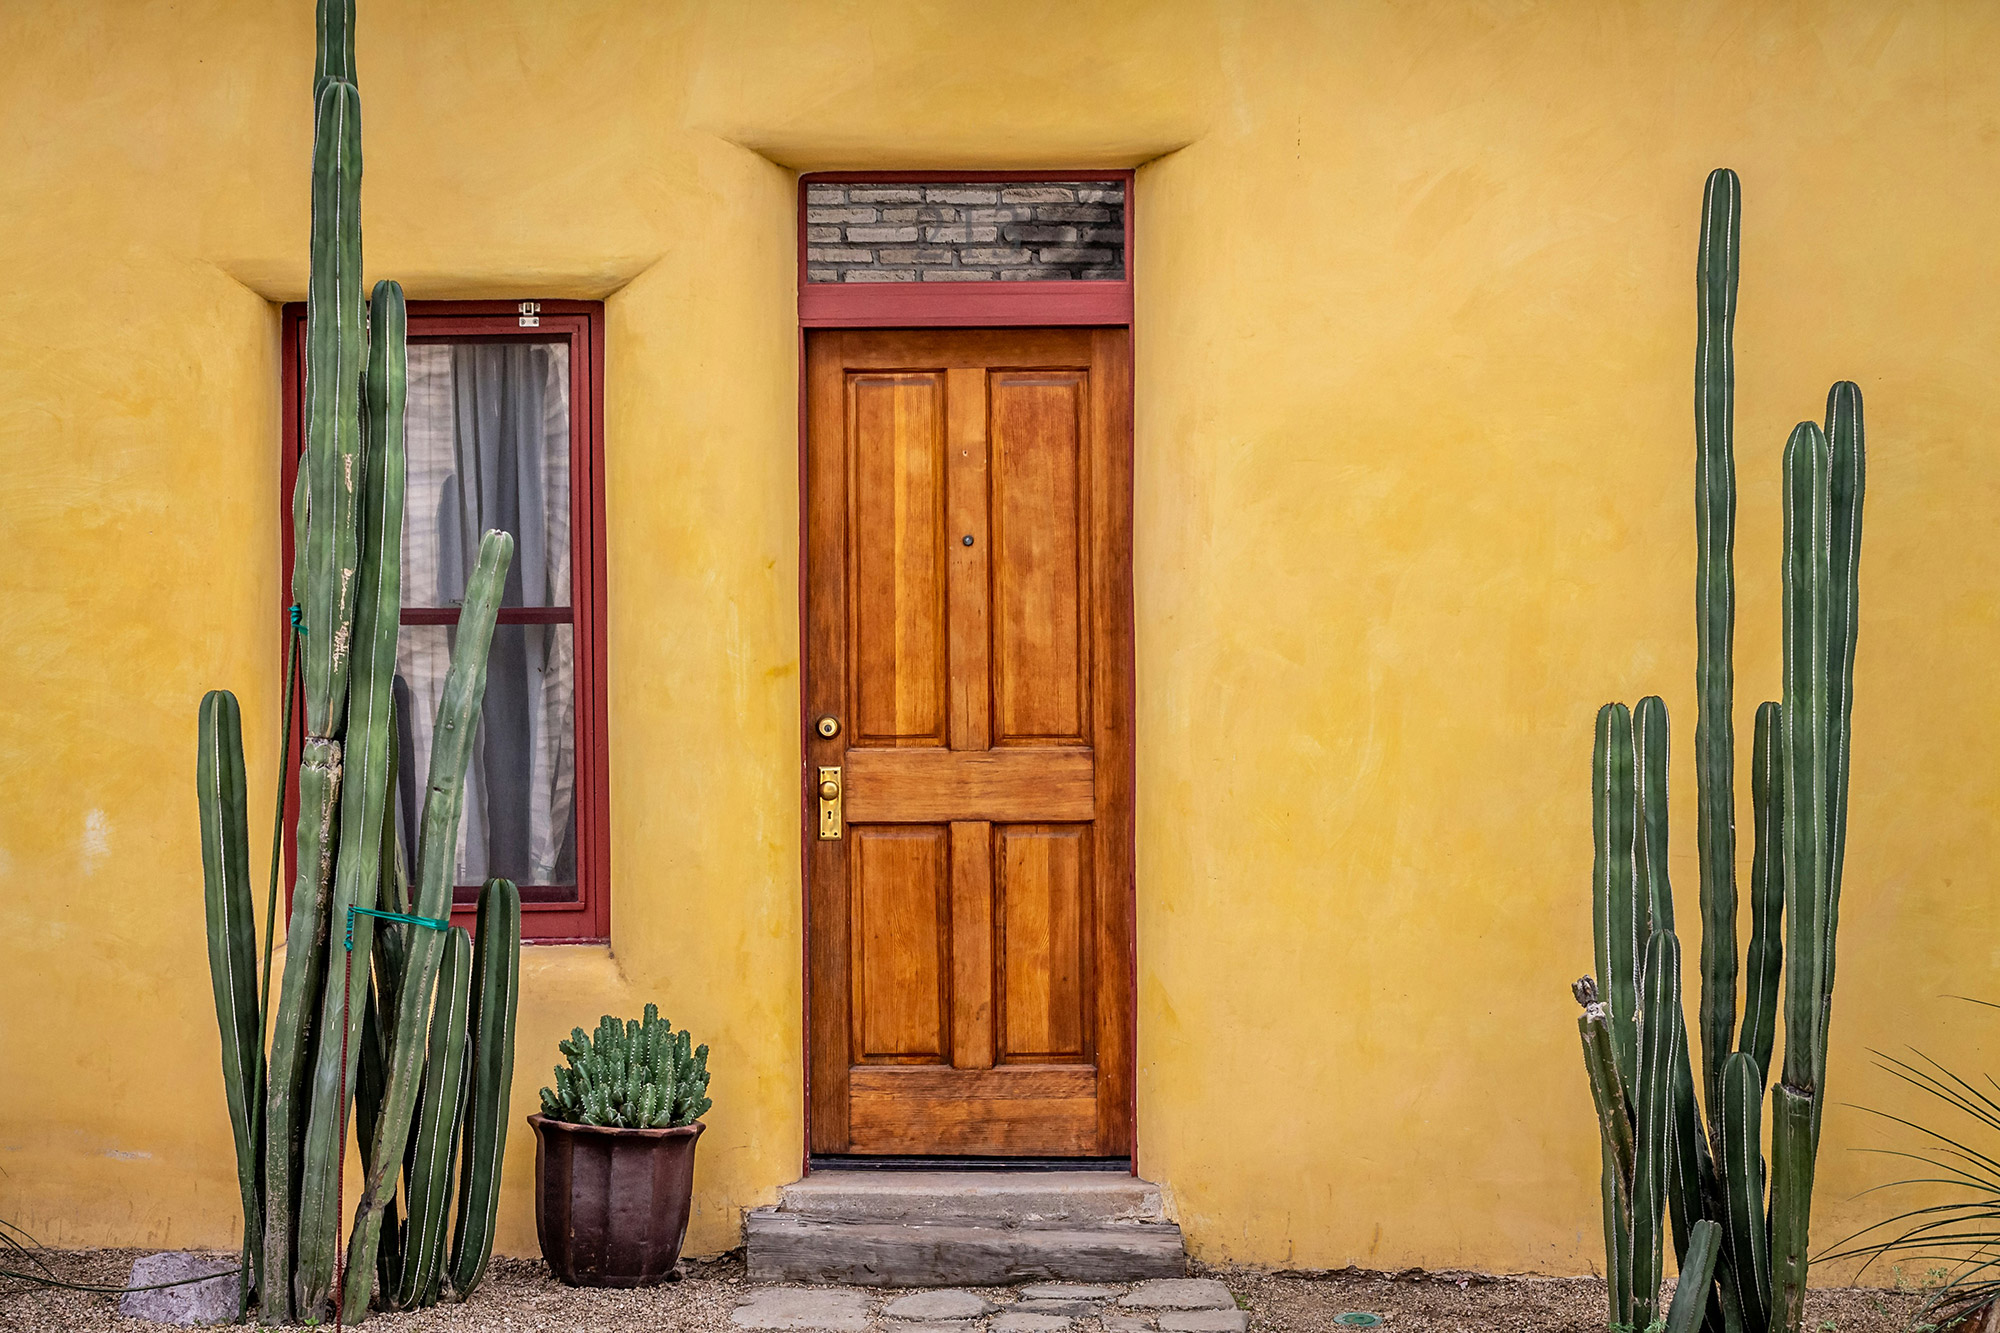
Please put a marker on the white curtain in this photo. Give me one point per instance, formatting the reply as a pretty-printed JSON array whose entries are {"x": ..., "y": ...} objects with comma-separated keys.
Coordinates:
[{"x": 488, "y": 445}]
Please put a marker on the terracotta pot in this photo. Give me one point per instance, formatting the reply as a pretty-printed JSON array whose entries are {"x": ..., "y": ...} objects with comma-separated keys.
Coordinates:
[{"x": 611, "y": 1205}]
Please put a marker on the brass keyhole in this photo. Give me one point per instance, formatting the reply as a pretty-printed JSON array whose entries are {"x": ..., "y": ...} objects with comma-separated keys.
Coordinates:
[
  {"x": 829, "y": 802},
  {"x": 828, "y": 726}
]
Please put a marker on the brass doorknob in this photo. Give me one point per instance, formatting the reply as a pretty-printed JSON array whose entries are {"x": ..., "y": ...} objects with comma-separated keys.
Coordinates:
[{"x": 829, "y": 790}]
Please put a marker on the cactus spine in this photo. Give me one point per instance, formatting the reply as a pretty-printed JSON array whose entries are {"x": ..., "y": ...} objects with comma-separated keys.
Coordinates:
[
  {"x": 1741, "y": 1232},
  {"x": 412, "y": 1017}
]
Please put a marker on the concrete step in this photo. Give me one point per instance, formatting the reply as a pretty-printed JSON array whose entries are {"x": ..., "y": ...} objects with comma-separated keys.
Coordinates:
[
  {"x": 975, "y": 1198},
  {"x": 953, "y": 1228},
  {"x": 785, "y": 1247}
]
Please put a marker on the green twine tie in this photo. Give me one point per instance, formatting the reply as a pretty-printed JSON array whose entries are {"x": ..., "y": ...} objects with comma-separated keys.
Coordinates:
[{"x": 427, "y": 923}]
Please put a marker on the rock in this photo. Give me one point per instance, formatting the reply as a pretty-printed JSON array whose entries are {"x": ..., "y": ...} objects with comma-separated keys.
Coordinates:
[
  {"x": 951, "y": 1326},
  {"x": 1067, "y": 1291},
  {"x": 1179, "y": 1293},
  {"x": 1205, "y": 1321},
  {"x": 1058, "y": 1307},
  {"x": 942, "y": 1303},
  {"x": 1014, "y": 1322},
  {"x": 1117, "y": 1322},
  {"x": 211, "y": 1302},
  {"x": 807, "y": 1308}
]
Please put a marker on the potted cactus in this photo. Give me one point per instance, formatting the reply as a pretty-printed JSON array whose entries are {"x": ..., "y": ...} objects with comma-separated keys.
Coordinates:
[{"x": 614, "y": 1152}]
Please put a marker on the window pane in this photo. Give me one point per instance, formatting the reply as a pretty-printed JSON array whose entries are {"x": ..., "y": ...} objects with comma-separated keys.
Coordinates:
[
  {"x": 487, "y": 436},
  {"x": 968, "y": 231},
  {"x": 520, "y": 786}
]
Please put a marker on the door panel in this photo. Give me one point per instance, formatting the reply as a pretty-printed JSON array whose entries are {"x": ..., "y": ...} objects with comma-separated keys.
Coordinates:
[
  {"x": 898, "y": 879},
  {"x": 1040, "y": 602},
  {"x": 976, "y": 784},
  {"x": 968, "y": 574},
  {"x": 1043, "y": 881},
  {"x": 896, "y": 435},
  {"x": 1043, "y": 1112}
]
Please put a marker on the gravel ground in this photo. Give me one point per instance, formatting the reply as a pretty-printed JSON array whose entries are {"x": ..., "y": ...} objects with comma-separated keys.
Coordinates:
[{"x": 519, "y": 1296}]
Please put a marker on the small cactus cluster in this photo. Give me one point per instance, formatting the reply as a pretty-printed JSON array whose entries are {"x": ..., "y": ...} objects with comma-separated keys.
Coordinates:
[
  {"x": 631, "y": 1075},
  {"x": 1738, "y": 1222}
]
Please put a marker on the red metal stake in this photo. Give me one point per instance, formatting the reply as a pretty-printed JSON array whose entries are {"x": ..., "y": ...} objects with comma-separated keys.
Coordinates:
[{"x": 340, "y": 1149}]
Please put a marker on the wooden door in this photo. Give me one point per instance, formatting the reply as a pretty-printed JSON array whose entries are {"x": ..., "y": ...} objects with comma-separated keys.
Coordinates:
[{"x": 968, "y": 571}]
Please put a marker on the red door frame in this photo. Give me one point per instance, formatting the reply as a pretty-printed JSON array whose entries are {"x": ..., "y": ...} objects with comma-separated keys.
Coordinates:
[
  {"x": 581, "y": 325},
  {"x": 877, "y": 305}
]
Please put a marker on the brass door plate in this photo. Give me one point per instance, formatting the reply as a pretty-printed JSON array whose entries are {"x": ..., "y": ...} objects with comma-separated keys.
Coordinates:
[{"x": 829, "y": 803}]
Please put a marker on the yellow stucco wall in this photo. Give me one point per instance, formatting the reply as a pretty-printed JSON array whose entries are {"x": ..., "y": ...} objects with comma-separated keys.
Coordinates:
[{"x": 1414, "y": 447}]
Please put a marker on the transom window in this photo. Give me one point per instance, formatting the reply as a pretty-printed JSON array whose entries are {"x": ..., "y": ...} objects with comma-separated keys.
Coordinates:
[{"x": 503, "y": 431}]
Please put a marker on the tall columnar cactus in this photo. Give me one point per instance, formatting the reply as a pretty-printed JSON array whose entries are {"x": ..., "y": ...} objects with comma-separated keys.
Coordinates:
[
  {"x": 425, "y": 1043},
  {"x": 1740, "y": 1226}
]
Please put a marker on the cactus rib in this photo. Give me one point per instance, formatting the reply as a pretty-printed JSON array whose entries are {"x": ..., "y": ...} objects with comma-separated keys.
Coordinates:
[
  {"x": 1690, "y": 1304},
  {"x": 1649, "y": 776},
  {"x": 333, "y": 56},
  {"x": 1767, "y": 890},
  {"x": 364, "y": 794},
  {"x": 429, "y": 1170},
  {"x": 1847, "y": 485},
  {"x": 1716, "y": 272},
  {"x": 1808, "y": 474},
  {"x": 496, "y": 966},
  {"x": 1615, "y": 902},
  {"x": 1739, "y": 1120},
  {"x": 221, "y": 796},
  {"x": 1653, "y": 1111},
  {"x": 1791, "y": 1204},
  {"x": 323, "y": 583}
]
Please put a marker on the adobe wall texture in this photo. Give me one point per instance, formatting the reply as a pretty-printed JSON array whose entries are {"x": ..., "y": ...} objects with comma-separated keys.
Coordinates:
[
  {"x": 965, "y": 231},
  {"x": 1415, "y": 333}
]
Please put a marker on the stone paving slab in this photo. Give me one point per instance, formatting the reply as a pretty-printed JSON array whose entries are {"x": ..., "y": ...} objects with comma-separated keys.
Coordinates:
[
  {"x": 1013, "y": 1322},
  {"x": 1178, "y": 1305},
  {"x": 940, "y": 1303},
  {"x": 1205, "y": 1321},
  {"x": 1067, "y": 1291},
  {"x": 1179, "y": 1293},
  {"x": 1058, "y": 1307},
  {"x": 821, "y": 1310}
]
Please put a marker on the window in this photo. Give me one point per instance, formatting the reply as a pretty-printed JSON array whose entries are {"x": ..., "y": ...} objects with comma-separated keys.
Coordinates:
[
  {"x": 504, "y": 430},
  {"x": 990, "y": 228},
  {"x": 937, "y": 249}
]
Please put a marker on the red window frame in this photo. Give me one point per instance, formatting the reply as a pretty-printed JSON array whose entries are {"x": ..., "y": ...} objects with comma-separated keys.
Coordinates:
[{"x": 580, "y": 324}]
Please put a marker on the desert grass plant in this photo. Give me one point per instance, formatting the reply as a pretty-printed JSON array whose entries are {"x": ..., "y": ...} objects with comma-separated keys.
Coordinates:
[
  {"x": 407, "y": 1031},
  {"x": 1957, "y": 1159},
  {"x": 1738, "y": 1222}
]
